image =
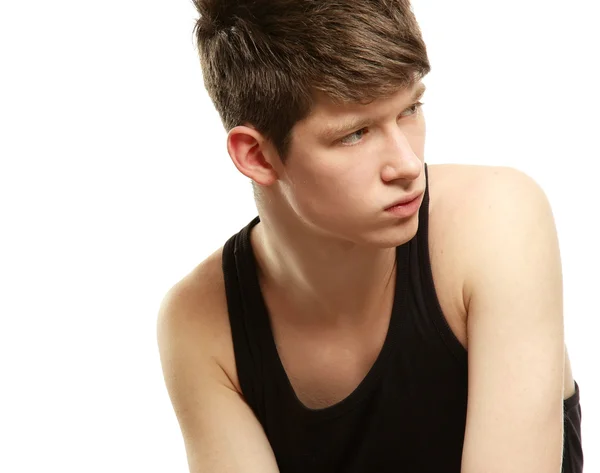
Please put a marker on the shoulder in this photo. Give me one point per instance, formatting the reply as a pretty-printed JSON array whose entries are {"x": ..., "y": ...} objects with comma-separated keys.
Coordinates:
[
  {"x": 194, "y": 312},
  {"x": 472, "y": 196},
  {"x": 458, "y": 193},
  {"x": 465, "y": 203},
  {"x": 490, "y": 207},
  {"x": 193, "y": 299}
]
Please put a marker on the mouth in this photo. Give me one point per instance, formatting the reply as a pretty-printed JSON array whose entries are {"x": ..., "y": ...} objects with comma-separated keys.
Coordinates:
[{"x": 406, "y": 200}]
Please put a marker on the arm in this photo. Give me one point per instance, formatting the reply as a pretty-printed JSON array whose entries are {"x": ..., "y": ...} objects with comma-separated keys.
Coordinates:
[
  {"x": 513, "y": 289},
  {"x": 220, "y": 432}
]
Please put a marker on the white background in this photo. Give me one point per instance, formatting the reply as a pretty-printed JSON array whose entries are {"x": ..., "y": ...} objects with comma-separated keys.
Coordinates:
[{"x": 115, "y": 182}]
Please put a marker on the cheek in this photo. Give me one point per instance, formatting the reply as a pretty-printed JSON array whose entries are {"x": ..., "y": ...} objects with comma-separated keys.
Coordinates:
[
  {"x": 341, "y": 186},
  {"x": 330, "y": 197},
  {"x": 334, "y": 184}
]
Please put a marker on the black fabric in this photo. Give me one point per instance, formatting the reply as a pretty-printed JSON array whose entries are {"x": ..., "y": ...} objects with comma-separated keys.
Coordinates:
[
  {"x": 409, "y": 412},
  {"x": 573, "y": 451}
]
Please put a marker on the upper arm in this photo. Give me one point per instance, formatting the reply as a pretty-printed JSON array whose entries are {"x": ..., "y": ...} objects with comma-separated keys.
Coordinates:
[
  {"x": 220, "y": 432},
  {"x": 513, "y": 286}
]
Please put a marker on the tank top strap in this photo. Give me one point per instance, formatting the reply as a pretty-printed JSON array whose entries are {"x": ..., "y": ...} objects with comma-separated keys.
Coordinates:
[{"x": 246, "y": 329}]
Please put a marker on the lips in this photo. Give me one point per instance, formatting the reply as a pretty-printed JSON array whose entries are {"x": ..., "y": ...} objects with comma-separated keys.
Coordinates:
[{"x": 406, "y": 200}]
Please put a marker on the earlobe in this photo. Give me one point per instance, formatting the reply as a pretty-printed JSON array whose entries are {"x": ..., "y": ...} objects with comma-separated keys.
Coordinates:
[{"x": 246, "y": 149}]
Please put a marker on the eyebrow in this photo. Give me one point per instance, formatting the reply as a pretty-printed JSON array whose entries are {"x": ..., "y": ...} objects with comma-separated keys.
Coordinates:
[{"x": 356, "y": 123}]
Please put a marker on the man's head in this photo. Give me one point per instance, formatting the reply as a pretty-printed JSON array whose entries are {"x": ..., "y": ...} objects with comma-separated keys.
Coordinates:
[{"x": 285, "y": 74}]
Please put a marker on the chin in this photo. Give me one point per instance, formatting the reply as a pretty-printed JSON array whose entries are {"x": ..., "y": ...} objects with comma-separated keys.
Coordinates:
[{"x": 398, "y": 234}]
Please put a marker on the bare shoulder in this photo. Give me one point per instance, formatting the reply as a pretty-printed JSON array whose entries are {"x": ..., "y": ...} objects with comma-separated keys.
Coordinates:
[
  {"x": 199, "y": 309},
  {"x": 465, "y": 200},
  {"x": 454, "y": 192},
  {"x": 471, "y": 197},
  {"x": 460, "y": 200},
  {"x": 458, "y": 193}
]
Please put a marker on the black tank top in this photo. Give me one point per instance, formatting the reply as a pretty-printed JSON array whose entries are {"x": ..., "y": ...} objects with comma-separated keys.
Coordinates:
[{"x": 408, "y": 413}]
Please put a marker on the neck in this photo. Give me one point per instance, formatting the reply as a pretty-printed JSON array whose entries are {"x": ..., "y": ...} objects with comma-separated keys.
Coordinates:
[{"x": 321, "y": 279}]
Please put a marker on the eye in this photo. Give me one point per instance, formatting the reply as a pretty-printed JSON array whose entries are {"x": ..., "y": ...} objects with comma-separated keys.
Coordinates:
[
  {"x": 415, "y": 108},
  {"x": 349, "y": 141}
]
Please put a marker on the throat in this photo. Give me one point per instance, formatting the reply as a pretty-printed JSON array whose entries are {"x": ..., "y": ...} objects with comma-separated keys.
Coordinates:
[
  {"x": 348, "y": 283},
  {"x": 337, "y": 308}
]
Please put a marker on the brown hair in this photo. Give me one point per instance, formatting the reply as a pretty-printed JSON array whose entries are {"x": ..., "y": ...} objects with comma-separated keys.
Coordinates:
[{"x": 263, "y": 60}]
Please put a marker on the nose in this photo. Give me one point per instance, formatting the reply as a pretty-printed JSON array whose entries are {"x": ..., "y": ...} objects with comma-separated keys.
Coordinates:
[{"x": 401, "y": 162}]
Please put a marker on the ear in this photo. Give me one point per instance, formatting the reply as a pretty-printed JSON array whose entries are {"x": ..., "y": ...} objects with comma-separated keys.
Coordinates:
[{"x": 250, "y": 153}]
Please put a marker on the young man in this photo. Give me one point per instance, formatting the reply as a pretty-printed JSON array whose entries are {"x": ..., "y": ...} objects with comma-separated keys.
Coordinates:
[{"x": 339, "y": 331}]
